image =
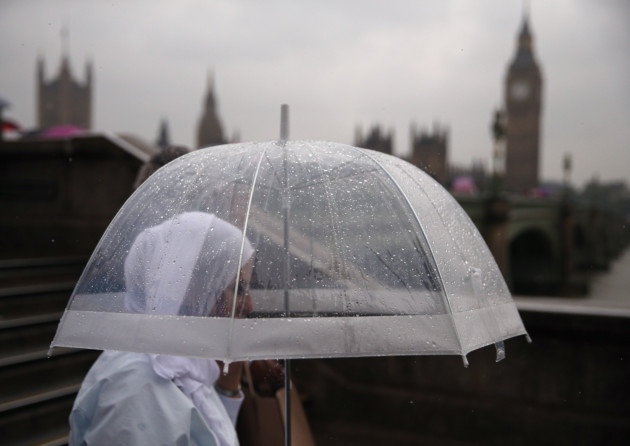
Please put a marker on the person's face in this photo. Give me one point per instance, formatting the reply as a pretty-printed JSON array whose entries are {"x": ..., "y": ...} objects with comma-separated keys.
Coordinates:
[{"x": 244, "y": 305}]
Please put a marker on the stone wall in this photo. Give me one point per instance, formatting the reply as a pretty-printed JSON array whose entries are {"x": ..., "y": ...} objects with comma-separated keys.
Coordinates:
[{"x": 569, "y": 387}]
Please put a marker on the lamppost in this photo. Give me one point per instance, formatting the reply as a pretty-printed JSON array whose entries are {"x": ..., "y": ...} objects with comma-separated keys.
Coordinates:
[
  {"x": 3, "y": 104},
  {"x": 567, "y": 167},
  {"x": 496, "y": 206},
  {"x": 498, "y": 128}
]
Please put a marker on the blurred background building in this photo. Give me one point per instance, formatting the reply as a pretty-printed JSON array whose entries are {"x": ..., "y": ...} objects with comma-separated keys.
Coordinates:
[{"x": 64, "y": 100}]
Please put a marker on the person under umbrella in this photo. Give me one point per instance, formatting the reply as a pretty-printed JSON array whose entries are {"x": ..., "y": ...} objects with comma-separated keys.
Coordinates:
[
  {"x": 187, "y": 266},
  {"x": 358, "y": 253}
]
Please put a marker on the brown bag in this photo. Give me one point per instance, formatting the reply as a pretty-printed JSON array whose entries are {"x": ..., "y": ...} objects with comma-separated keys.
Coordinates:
[{"x": 261, "y": 418}]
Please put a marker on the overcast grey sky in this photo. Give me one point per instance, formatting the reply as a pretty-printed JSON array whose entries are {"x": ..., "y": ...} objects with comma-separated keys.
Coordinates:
[{"x": 338, "y": 64}]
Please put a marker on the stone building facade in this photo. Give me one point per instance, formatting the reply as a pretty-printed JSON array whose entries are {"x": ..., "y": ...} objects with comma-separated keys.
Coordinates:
[
  {"x": 429, "y": 151},
  {"x": 375, "y": 139},
  {"x": 64, "y": 100}
]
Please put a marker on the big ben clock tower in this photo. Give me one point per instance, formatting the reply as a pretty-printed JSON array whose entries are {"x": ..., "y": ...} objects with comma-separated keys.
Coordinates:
[{"x": 523, "y": 104}]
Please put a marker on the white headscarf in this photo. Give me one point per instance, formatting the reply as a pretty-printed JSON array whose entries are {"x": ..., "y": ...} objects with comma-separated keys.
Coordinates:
[{"x": 181, "y": 267}]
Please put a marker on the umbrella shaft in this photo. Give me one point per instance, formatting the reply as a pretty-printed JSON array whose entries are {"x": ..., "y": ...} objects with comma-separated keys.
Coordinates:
[
  {"x": 287, "y": 266},
  {"x": 287, "y": 402}
]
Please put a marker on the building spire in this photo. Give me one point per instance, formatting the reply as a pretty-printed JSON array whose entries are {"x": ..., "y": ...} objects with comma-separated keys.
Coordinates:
[
  {"x": 65, "y": 40},
  {"x": 163, "y": 140},
  {"x": 524, "y": 42},
  {"x": 210, "y": 100},
  {"x": 65, "y": 52},
  {"x": 210, "y": 130},
  {"x": 210, "y": 79},
  {"x": 525, "y": 31},
  {"x": 526, "y": 8}
]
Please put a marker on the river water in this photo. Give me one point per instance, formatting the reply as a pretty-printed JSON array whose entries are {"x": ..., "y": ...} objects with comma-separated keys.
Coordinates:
[
  {"x": 613, "y": 286},
  {"x": 609, "y": 294}
]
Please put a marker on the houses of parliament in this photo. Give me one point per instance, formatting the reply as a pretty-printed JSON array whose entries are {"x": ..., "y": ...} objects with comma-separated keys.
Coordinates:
[{"x": 67, "y": 101}]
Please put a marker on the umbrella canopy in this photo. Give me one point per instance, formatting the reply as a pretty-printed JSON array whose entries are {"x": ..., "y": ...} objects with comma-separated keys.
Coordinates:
[{"x": 343, "y": 252}]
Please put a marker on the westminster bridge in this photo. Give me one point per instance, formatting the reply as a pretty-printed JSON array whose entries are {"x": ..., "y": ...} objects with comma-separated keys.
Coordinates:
[{"x": 547, "y": 246}]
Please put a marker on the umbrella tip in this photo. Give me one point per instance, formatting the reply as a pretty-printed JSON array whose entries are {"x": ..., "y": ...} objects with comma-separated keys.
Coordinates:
[
  {"x": 500, "y": 347},
  {"x": 284, "y": 122}
]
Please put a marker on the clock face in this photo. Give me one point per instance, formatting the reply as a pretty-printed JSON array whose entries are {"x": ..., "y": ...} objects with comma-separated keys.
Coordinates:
[{"x": 520, "y": 90}]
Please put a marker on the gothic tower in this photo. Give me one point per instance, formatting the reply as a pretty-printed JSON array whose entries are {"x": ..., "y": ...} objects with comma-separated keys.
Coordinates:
[
  {"x": 64, "y": 100},
  {"x": 375, "y": 139},
  {"x": 209, "y": 130},
  {"x": 429, "y": 152},
  {"x": 523, "y": 104}
]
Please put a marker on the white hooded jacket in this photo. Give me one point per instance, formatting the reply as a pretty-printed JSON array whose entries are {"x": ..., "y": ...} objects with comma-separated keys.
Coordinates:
[{"x": 179, "y": 267}]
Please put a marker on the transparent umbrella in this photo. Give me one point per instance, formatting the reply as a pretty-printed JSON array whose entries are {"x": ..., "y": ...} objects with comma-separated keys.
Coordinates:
[{"x": 352, "y": 253}]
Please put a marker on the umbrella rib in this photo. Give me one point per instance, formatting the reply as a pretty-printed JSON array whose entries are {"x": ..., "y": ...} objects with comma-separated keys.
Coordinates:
[
  {"x": 240, "y": 259},
  {"x": 275, "y": 173},
  {"x": 413, "y": 211},
  {"x": 329, "y": 198},
  {"x": 434, "y": 286}
]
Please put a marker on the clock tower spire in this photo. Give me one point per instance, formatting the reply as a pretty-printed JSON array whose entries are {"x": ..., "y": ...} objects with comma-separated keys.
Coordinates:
[{"x": 523, "y": 105}]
